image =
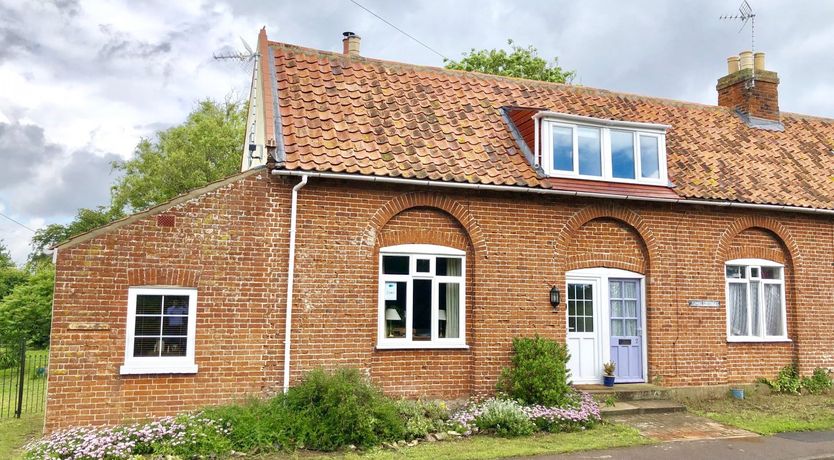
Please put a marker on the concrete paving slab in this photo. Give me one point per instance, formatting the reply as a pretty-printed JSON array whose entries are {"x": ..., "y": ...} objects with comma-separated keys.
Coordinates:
[{"x": 680, "y": 426}]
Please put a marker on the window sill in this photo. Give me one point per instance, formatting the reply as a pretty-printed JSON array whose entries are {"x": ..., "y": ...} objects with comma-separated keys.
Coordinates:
[
  {"x": 758, "y": 340},
  {"x": 422, "y": 346},
  {"x": 138, "y": 370}
]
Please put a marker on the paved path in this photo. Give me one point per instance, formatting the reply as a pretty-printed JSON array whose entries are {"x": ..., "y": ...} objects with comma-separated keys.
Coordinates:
[
  {"x": 680, "y": 426},
  {"x": 786, "y": 446}
]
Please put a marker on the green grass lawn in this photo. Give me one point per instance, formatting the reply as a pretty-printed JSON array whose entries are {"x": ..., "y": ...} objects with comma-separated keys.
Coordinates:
[
  {"x": 769, "y": 414},
  {"x": 14, "y": 433},
  {"x": 488, "y": 447}
]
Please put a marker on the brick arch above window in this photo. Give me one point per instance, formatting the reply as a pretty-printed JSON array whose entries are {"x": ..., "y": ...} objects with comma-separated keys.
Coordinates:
[
  {"x": 162, "y": 277},
  {"x": 724, "y": 250},
  {"x": 626, "y": 216},
  {"x": 422, "y": 236},
  {"x": 632, "y": 264},
  {"x": 429, "y": 200}
]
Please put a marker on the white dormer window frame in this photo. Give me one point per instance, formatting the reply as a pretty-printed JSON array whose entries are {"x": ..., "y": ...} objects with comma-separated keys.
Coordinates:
[{"x": 642, "y": 136}]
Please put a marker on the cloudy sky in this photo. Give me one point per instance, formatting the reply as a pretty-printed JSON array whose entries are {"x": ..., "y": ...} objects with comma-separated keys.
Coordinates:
[{"x": 82, "y": 81}]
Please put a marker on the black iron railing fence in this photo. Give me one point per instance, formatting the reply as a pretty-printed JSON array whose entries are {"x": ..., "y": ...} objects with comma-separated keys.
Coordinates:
[{"x": 23, "y": 382}]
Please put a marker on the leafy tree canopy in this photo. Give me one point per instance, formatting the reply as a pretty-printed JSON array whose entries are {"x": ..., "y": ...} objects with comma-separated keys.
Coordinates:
[
  {"x": 206, "y": 148},
  {"x": 519, "y": 62},
  {"x": 26, "y": 311},
  {"x": 10, "y": 275},
  {"x": 203, "y": 149}
]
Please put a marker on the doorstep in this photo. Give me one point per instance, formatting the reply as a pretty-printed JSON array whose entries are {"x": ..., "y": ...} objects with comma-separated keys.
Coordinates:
[
  {"x": 634, "y": 407},
  {"x": 627, "y": 391}
]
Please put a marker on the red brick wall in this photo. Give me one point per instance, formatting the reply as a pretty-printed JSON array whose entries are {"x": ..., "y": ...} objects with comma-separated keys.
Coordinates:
[{"x": 232, "y": 245}]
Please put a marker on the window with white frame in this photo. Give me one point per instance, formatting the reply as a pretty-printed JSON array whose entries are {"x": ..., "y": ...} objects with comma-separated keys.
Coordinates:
[
  {"x": 755, "y": 300},
  {"x": 421, "y": 297},
  {"x": 588, "y": 148},
  {"x": 160, "y": 331}
]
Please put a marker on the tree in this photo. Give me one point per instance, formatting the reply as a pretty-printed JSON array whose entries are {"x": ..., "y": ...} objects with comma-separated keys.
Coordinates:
[
  {"x": 206, "y": 148},
  {"x": 53, "y": 234},
  {"x": 203, "y": 149},
  {"x": 26, "y": 312},
  {"x": 10, "y": 275},
  {"x": 519, "y": 62}
]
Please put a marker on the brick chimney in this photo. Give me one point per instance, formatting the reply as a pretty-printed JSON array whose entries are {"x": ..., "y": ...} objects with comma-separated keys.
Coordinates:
[
  {"x": 350, "y": 44},
  {"x": 750, "y": 89}
]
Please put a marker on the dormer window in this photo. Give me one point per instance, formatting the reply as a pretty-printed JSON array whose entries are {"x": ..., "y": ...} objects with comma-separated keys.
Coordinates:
[{"x": 589, "y": 148}]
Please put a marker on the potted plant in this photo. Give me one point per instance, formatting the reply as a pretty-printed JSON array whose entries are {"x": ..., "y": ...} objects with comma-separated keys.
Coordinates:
[{"x": 608, "y": 373}]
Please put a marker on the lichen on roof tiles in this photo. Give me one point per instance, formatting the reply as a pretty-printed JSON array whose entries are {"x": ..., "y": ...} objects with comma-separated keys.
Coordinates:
[{"x": 390, "y": 119}]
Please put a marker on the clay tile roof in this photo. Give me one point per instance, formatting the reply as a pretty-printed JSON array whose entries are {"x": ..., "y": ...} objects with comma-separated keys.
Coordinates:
[{"x": 365, "y": 116}]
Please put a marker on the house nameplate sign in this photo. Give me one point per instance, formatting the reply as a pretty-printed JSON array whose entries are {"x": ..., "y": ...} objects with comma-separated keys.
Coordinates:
[{"x": 704, "y": 303}]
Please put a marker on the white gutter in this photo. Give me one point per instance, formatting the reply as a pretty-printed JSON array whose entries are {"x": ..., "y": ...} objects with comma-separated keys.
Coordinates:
[
  {"x": 544, "y": 191},
  {"x": 290, "y": 276}
]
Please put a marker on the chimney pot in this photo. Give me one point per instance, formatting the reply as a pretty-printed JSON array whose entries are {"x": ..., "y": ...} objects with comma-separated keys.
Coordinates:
[
  {"x": 759, "y": 61},
  {"x": 732, "y": 64},
  {"x": 745, "y": 60},
  {"x": 350, "y": 44}
]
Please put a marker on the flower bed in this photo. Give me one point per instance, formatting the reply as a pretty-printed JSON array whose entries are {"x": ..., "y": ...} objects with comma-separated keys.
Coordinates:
[
  {"x": 184, "y": 435},
  {"x": 507, "y": 417}
]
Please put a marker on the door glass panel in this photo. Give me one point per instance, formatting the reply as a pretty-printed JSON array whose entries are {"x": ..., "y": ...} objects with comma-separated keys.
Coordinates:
[
  {"x": 630, "y": 290},
  {"x": 614, "y": 289},
  {"x": 617, "y": 327},
  {"x": 580, "y": 308},
  {"x": 631, "y": 308},
  {"x": 630, "y": 327},
  {"x": 617, "y": 308}
]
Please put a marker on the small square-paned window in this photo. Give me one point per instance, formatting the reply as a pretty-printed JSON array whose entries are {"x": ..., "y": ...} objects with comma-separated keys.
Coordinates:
[
  {"x": 160, "y": 331},
  {"x": 589, "y": 148},
  {"x": 422, "y": 292}
]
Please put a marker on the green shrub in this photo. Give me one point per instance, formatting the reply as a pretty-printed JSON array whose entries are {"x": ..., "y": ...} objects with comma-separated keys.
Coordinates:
[
  {"x": 819, "y": 382},
  {"x": 787, "y": 381},
  {"x": 504, "y": 418},
  {"x": 257, "y": 425},
  {"x": 423, "y": 417},
  {"x": 539, "y": 373},
  {"x": 333, "y": 410}
]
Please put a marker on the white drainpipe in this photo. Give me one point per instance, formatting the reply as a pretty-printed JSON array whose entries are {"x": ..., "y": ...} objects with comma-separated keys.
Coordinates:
[{"x": 290, "y": 276}]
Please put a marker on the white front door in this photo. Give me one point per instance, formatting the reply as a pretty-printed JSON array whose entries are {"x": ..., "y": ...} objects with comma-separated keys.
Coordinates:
[
  {"x": 605, "y": 308},
  {"x": 582, "y": 335}
]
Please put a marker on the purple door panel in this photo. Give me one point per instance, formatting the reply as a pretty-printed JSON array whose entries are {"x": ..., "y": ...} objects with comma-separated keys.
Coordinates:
[{"x": 626, "y": 330}]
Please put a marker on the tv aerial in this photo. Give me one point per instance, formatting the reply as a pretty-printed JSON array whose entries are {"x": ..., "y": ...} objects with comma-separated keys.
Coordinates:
[
  {"x": 745, "y": 15},
  {"x": 228, "y": 53}
]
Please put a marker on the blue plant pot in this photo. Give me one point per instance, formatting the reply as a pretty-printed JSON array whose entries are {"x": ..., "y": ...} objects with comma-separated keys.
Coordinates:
[
  {"x": 608, "y": 380},
  {"x": 738, "y": 393}
]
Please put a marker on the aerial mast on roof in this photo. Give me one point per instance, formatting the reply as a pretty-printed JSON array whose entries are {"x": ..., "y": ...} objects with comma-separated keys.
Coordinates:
[
  {"x": 246, "y": 58},
  {"x": 745, "y": 15}
]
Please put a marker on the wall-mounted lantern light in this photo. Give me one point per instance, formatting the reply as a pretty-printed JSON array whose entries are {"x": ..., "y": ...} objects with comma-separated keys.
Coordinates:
[{"x": 555, "y": 297}]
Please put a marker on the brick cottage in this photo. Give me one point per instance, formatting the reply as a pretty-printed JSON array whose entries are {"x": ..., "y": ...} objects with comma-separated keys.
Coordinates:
[{"x": 410, "y": 221}]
